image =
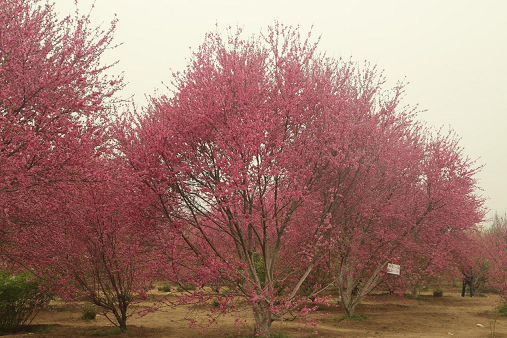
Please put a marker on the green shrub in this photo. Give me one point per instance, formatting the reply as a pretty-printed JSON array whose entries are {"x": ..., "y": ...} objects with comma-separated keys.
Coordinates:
[
  {"x": 20, "y": 300},
  {"x": 89, "y": 311},
  {"x": 165, "y": 288},
  {"x": 438, "y": 293},
  {"x": 501, "y": 309}
]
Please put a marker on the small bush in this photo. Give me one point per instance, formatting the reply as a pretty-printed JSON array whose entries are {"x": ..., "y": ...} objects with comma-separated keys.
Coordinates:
[
  {"x": 501, "y": 309},
  {"x": 438, "y": 293},
  {"x": 20, "y": 300},
  {"x": 165, "y": 288},
  {"x": 215, "y": 303},
  {"x": 89, "y": 311}
]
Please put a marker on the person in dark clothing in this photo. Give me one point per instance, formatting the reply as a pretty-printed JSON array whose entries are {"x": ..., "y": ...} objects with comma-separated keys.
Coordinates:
[{"x": 468, "y": 279}]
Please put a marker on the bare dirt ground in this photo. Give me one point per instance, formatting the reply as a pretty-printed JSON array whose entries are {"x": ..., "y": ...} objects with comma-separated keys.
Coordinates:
[{"x": 386, "y": 316}]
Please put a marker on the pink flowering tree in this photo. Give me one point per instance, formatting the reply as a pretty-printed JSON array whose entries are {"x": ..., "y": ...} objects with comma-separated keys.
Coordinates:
[
  {"x": 54, "y": 92},
  {"x": 280, "y": 171},
  {"x": 494, "y": 244},
  {"x": 411, "y": 202},
  {"x": 234, "y": 157},
  {"x": 64, "y": 208},
  {"x": 95, "y": 241},
  {"x": 445, "y": 239},
  {"x": 367, "y": 193},
  {"x": 442, "y": 259}
]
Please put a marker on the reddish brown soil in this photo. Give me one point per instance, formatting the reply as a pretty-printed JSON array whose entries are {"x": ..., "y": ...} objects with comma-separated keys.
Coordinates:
[{"x": 449, "y": 316}]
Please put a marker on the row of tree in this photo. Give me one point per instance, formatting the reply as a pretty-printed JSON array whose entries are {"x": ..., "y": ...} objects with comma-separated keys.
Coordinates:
[{"x": 270, "y": 169}]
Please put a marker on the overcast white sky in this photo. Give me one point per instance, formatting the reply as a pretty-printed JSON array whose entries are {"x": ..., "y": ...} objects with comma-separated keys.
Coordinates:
[{"x": 453, "y": 53}]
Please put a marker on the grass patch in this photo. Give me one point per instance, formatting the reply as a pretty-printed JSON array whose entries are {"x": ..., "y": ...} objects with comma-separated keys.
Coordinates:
[
  {"x": 101, "y": 332},
  {"x": 42, "y": 328},
  {"x": 279, "y": 335},
  {"x": 357, "y": 318},
  {"x": 38, "y": 328}
]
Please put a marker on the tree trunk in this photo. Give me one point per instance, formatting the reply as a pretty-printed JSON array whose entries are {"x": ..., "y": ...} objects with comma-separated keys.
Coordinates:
[
  {"x": 121, "y": 318},
  {"x": 347, "y": 298},
  {"x": 353, "y": 289},
  {"x": 123, "y": 325},
  {"x": 263, "y": 320},
  {"x": 348, "y": 303},
  {"x": 415, "y": 291},
  {"x": 350, "y": 309}
]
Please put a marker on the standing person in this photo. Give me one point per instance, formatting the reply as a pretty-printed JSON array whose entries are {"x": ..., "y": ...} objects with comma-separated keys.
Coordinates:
[{"x": 468, "y": 279}]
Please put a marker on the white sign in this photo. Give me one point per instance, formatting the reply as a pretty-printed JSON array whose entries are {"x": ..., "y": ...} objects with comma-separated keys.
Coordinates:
[{"x": 393, "y": 269}]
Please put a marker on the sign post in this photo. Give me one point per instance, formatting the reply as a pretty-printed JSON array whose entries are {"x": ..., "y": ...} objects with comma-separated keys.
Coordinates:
[{"x": 393, "y": 269}]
